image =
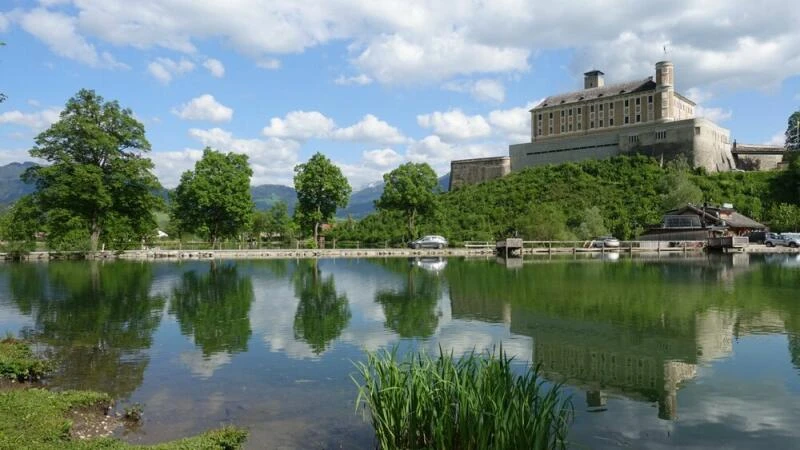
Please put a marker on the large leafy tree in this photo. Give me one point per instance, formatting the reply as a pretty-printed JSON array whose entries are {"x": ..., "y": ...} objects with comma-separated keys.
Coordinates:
[
  {"x": 793, "y": 132},
  {"x": 214, "y": 198},
  {"x": 97, "y": 170},
  {"x": 411, "y": 189},
  {"x": 321, "y": 189}
]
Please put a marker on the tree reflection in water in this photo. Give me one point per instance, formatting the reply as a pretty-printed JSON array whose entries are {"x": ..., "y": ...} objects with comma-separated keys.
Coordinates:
[
  {"x": 214, "y": 307},
  {"x": 96, "y": 318},
  {"x": 411, "y": 311},
  {"x": 322, "y": 313}
]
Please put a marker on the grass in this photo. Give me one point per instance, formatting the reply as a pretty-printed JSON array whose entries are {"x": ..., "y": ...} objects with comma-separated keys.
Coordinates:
[
  {"x": 17, "y": 361},
  {"x": 40, "y": 419},
  {"x": 474, "y": 402}
]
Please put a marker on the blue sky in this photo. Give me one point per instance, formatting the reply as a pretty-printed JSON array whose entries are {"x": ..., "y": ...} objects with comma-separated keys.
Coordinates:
[{"x": 374, "y": 84}]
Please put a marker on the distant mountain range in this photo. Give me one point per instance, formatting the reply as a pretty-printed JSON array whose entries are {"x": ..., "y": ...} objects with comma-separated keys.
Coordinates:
[{"x": 362, "y": 202}]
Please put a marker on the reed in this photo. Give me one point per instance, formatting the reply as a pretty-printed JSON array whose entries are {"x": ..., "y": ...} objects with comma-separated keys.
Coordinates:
[{"x": 472, "y": 402}]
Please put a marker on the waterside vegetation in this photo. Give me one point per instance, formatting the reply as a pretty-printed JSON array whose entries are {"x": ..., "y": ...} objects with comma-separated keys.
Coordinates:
[{"x": 474, "y": 402}]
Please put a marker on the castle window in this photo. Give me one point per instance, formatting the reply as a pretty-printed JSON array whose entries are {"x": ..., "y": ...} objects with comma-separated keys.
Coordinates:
[
  {"x": 611, "y": 105},
  {"x": 551, "y": 115},
  {"x": 579, "y": 109},
  {"x": 570, "y": 111},
  {"x": 661, "y": 135},
  {"x": 550, "y": 130},
  {"x": 601, "y": 106},
  {"x": 562, "y": 127},
  {"x": 611, "y": 122},
  {"x": 579, "y": 125},
  {"x": 627, "y": 120},
  {"x": 591, "y": 124},
  {"x": 638, "y": 101},
  {"x": 626, "y": 102},
  {"x": 601, "y": 123},
  {"x": 638, "y": 118},
  {"x": 649, "y": 99},
  {"x": 633, "y": 139},
  {"x": 562, "y": 113},
  {"x": 697, "y": 131},
  {"x": 570, "y": 127},
  {"x": 540, "y": 116}
]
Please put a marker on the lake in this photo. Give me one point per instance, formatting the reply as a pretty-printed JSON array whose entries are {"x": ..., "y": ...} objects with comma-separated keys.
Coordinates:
[{"x": 679, "y": 351}]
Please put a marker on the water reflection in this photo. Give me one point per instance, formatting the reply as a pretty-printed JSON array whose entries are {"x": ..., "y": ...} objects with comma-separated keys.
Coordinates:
[
  {"x": 98, "y": 319},
  {"x": 322, "y": 313},
  {"x": 710, "y": 340},
  {"x": 212, "y": 307}
]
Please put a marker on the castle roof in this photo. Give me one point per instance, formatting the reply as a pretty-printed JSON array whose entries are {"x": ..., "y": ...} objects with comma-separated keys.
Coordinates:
[{"x": 598, "y": 92}]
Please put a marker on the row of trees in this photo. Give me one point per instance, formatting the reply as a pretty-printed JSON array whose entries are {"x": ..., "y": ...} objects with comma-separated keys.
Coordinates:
[{"x": 98, "y": 188}]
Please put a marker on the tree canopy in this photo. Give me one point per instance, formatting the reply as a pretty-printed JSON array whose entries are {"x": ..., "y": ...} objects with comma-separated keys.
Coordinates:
[
  {"x": 321, "y": 190},
  {"x": 411, "y": 189},
  {"x": 793, "y": 132},
  {"x": 97, "y": 173},
  {"x": 214, "y": 198}
]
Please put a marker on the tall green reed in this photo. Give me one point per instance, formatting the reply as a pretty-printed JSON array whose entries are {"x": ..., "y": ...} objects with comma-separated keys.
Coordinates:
[{"x": 472, "y": 402}]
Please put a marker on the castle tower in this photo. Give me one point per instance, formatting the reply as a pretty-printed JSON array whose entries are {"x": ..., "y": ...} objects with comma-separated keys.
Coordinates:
[
  {"x": 593, "y": 79},
  {"x": 665, "y": 91}
]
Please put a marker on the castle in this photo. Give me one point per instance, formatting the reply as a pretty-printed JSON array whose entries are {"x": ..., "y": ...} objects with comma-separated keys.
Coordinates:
[{"x": 645, "y": 116}]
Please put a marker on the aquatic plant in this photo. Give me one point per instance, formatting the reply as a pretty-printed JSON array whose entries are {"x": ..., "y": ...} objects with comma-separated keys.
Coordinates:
[
  {"x": 473, "y": 402},
  {"x": 17, "y": 361}
]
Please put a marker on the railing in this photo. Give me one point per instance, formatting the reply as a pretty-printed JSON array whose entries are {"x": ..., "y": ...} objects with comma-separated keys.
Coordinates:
[
  {"x": 479, "y": 244},
  {"x": 598, "y": 245}
]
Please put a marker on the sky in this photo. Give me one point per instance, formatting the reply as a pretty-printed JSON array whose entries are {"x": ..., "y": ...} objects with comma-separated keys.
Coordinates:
[{"x": 374, "y": 84}]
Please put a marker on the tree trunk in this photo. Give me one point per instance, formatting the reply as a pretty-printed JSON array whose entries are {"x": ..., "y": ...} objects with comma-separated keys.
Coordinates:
[
  {"x": 95, "y": 236},
  {"x": 411, "y": 231},
  {"x": 316, "y": 233}
]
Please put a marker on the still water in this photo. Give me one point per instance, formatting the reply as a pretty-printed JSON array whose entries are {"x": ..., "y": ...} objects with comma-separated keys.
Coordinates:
[{"x": 691, "y": 352}]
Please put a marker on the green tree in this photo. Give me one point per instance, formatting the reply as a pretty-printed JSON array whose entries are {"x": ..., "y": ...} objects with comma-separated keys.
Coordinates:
[
  {"x": 410, "y": 188},
  {"x": 676, "y": 188},
  {"x": 793, "y": 132},
  {"x": 18, "y": 226},
  {"x": 321, "y": 189},
  {"x": 592, "y": 224},
  {"x": 785, "y": 217},
  {"x": 545, "y": 222},
  {"x": 214, "y": 198},
  {"x": 279, "y": 222},
  {"x": 321, "y": 313},
  {"x": 97, "y": 167}
]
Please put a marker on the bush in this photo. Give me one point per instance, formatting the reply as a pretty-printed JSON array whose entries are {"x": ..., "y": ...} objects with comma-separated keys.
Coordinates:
[{"x": 475, "y": 402}]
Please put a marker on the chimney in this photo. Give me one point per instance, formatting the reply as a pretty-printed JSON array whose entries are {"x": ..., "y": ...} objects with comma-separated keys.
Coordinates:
[{"x": 593, "y": 79}]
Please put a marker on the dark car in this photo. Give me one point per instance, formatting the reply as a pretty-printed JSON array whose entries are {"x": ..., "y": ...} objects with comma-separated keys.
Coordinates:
[
  {"x": 758, "y": 237},
  {"x": 429, "y": 242}
]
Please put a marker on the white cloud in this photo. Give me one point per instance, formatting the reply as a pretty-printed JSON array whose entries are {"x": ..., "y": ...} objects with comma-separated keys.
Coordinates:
[
  {"x": 8, "y": 156},
  {"x": 396, "y": 59},
  {"x": 204, "y": 107},
  {"x": 215, "y": 67},
  {"x": 165, "y": 69},
  {"x": 513, "y": 124},
  {"x": 485, "y": 90},
  {"x": 370, "y": 129},
  {"x": 698, "y": 95},
  {"x": 300, "y": 125},
  {"x": 33, "y": 102},
  {"x": 36, "y": 121},
  {"x": 455, "y": 125},
  {"x": 58, "y": 31},
  {"x": 385, "y": 157},
  {"x": 718, "y": 115},
  {"x": 272, "y": 160},
  {"x": 3, "y": 23},
  {"x": 360, "y": 80},
  {"x": 269, "y": 64},
  {"x": 439, "y": 154}
]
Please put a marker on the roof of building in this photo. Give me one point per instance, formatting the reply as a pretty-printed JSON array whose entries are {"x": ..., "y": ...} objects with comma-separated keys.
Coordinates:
[
  {"x": 598, "y": 92},
  {"x": 758, "y": 148},
  {"x": 733, "y": 220}
]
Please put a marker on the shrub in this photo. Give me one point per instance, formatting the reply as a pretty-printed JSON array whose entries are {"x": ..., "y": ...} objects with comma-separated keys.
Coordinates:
[{"x": 474, "y": 402}]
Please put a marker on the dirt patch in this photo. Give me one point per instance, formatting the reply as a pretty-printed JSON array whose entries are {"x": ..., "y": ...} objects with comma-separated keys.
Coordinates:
[{"x": 93, "y": 421}]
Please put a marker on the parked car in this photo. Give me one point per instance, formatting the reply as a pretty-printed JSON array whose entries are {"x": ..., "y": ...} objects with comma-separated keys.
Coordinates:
[
  {"x": 605, "y": 241},
  {"x": 758, "y": 237},
  {"x": 431, "y": 264},
  {"x": 431, "y": 241},
  {"x": 786, "y": 239}
]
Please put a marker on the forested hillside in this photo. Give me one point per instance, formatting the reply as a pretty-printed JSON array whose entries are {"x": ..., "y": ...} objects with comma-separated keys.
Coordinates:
[{"x": 622, "y": 195}]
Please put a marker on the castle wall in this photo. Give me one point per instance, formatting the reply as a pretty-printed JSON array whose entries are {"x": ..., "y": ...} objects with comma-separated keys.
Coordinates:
[{"x": 474, "y": 171}]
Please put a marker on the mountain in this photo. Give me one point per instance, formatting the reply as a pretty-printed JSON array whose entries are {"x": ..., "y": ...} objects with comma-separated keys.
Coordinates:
[
  {"x": 266, "y": 195},
  {"x": 11, "y": 186}
]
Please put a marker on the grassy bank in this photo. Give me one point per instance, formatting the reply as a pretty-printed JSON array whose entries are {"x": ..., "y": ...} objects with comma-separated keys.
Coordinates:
[
  {"x": 40, "y": 419},
  {"x": 474, "y": 402}
]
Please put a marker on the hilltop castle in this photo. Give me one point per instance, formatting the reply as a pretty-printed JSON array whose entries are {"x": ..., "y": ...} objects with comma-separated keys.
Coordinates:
[{"x": 645, "y": 116}]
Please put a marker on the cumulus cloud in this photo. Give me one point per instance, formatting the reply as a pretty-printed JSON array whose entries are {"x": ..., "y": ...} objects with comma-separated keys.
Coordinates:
[
  {"x": 439, "y": 154},
  {"x": 370, "y": 129},
  {"x": 36, "y": 121},
  {"x": 713, "y": 114},
  {"x": 411, "y": 41},
  {"x": 778, "y": 138},
  {"x": 485, "y": 90},
  {"x": 300, "y": 125},
  {"x": 360, "y": 80},
  {"x": 215, "y": 67},
  {"x": 165, "y": 69},
  {"x": 58, "y": 31},
  {"x": 3, "y": 23},
  {"x": 269, "y": 64},
  {"x": 204, "y": 107},
  {"x": 385, "y": 157},
  {"x": 272, "y": 160},
  {"x": 455, "y": 125}
]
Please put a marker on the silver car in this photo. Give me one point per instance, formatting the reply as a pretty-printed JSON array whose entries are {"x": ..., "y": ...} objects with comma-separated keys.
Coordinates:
[
  {"x": 787, "y": 239},
  {"x": 431, "y": 241},
  {"x": 605, "y": 242}
]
